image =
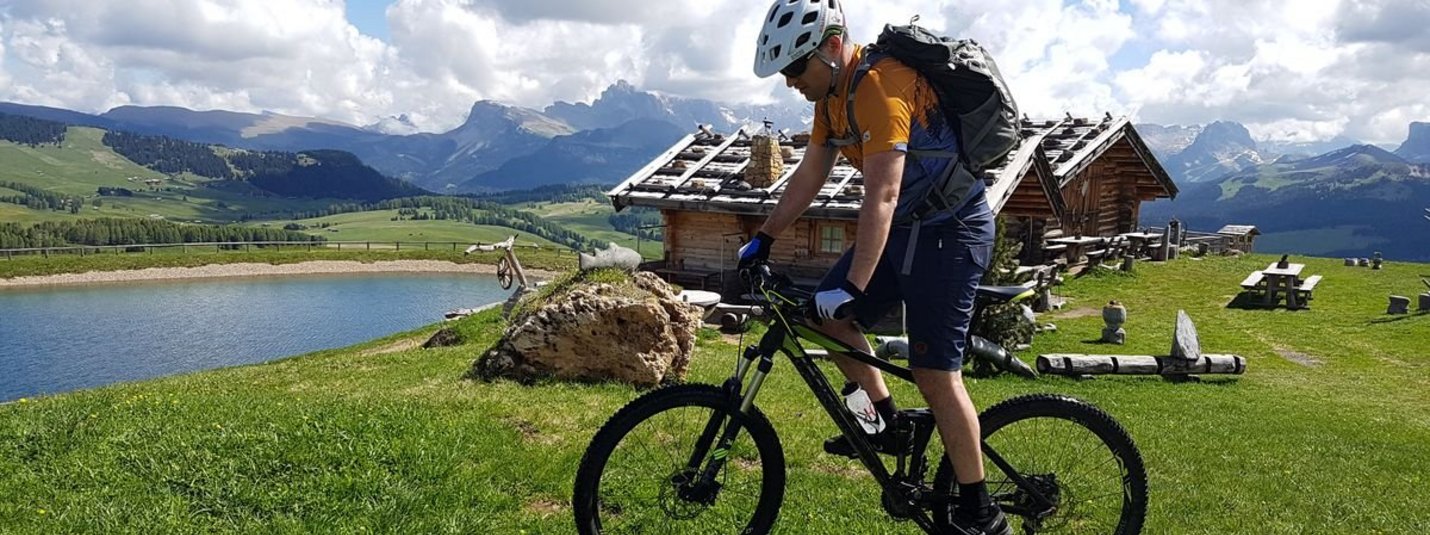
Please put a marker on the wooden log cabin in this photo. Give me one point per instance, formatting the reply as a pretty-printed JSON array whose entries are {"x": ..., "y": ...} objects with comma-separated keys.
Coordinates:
[{"x": 1069, "y": 177}]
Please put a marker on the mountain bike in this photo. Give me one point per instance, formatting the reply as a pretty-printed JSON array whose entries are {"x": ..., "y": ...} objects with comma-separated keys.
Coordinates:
[{"x": 697, "y": 458}]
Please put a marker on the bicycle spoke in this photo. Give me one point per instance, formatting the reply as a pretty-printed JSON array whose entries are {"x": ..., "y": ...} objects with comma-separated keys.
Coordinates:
[{"x": 641, "y": 489}]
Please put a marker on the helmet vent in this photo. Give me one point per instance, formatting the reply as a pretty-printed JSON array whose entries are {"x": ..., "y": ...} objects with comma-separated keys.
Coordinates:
[
  {"x": 803, "y": 38},
  {"x": 784, "y": 20},
  {"x": 809, "y": 17}
]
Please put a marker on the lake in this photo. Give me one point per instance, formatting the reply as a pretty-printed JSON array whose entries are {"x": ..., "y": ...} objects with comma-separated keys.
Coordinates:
[{"x": 65, "y": 338}]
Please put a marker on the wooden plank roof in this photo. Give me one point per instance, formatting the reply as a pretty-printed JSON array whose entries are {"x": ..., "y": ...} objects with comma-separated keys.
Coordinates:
[{"x": 705, "y": 171}]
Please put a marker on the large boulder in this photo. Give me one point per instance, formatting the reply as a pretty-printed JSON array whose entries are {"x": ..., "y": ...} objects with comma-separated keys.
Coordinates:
[{"x": 629, "y": 328}]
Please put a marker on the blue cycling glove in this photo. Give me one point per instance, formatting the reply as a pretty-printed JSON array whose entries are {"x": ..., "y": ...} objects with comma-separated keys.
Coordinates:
[{"x": 756, "y": 251}]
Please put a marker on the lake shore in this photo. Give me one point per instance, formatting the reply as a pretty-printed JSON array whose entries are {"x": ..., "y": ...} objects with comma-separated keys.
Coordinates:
[{"x": 250, "y": 269}]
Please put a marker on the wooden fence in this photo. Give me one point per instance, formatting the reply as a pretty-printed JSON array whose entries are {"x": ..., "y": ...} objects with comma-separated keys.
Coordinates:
[{"x": 149, "y": 248}]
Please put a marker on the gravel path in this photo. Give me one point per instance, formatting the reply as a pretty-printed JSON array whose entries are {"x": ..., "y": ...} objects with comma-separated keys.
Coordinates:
[{"x": 318, "y": 267}]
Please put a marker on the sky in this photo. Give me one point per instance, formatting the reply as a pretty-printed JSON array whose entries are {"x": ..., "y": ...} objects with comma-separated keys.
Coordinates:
[{"x": 1289, "y": 70}]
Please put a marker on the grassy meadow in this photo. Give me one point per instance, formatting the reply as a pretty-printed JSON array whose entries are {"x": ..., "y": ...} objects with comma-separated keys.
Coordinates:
[
  {"x": 377, "y": 225},
  {"x": 1326, "y": 432},
  {"x": 590, "y": 218}
]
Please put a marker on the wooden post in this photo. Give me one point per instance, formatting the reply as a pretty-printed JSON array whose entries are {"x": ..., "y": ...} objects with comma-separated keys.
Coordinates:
[
  {"x": 399, "y": 246},
  {"x": 425, "y": 245},
  {"x": 369, "y": 246}
]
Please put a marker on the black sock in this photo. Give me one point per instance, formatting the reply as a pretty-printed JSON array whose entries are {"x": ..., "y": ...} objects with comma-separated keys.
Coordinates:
[
  {"x": 886, "y": 409},
  {"x": 973, "y": 497}
]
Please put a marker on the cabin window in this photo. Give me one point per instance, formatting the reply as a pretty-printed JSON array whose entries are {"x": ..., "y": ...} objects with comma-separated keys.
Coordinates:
[{"x": 831, "y": 239}]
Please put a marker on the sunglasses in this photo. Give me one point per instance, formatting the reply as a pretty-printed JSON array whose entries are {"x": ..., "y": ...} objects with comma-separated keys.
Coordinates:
[{"x": 797, "y": 68}]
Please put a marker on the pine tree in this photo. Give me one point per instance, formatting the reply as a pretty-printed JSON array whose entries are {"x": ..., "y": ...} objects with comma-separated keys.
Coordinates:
[{"x": 1003, "y": 324}]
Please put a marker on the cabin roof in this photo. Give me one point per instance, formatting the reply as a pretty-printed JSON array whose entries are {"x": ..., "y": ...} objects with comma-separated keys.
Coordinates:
[
  {"x": 704, "y": 171},
  {"x": 1239, "y": 230}
]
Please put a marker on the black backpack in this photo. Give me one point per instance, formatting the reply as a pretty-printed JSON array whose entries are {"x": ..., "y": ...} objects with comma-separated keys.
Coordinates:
[{"x": 972, "y": 95}]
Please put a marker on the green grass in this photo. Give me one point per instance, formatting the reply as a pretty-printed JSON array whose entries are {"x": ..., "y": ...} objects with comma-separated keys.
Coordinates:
[
  {"x": 82, "y": 164},
  {"x": 378, "y": 225},
  {"x": 347, "y": 441},
  {"x": 591, "y": 218},
  {"x": 554, "y": 259}
]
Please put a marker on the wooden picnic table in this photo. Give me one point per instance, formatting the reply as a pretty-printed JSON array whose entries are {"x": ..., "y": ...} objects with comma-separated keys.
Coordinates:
[
  {"x": 1141, "y": 241},
  {"x": 1285, "y": 280},
  {"x": 1076, "y": 245}
]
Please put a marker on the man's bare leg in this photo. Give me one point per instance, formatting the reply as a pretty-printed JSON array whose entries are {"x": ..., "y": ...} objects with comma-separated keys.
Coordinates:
[
  {"x": 957, "y": 420},
  {"x": 868, "y": 377}
]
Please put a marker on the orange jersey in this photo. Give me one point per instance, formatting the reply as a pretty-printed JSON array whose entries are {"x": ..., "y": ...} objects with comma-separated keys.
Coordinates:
[{"x": 895, "y": 109}]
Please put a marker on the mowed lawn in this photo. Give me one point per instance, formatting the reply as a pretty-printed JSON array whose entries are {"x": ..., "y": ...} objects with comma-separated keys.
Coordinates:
[{"x": 1326, "y": 433}]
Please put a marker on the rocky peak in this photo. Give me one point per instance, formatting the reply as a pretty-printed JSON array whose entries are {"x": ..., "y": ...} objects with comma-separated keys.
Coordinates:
[{"x": 1417, "y": 147}]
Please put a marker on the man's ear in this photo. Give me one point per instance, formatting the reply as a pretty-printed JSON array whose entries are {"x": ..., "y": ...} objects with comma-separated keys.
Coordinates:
[{"x": 834, "y": 44}]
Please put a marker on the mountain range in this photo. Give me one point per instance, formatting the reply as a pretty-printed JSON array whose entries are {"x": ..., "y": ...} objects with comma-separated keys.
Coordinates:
[
  {"x": 470, "y": 157},
  {"x": 1351, "y": 202},
  {"x": 1328, "y": 197}
]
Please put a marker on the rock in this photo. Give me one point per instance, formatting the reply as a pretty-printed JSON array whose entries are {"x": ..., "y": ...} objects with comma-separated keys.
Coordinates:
[
  {"x": 1114, "y": 315},
  {"x": 443, "y": 338},
  {"x": 637, "y": 332},
  {"x": 615, "y": 256},
  {"x": 1028, "y": 316},
  {"x": 1185, "y": 344},
  {"x": 1350, "y": 262},
  {"x": 891, "y": 348},
  {"x": 1364, "y": 262},
  {"x": 1398, "y": 305}
]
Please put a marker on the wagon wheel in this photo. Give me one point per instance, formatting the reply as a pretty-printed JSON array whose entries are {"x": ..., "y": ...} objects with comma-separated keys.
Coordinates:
[{"x": 504, "y": 273}]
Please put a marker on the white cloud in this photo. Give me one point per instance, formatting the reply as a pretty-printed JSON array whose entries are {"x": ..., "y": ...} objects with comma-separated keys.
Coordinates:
[{"x": 1286, "y": 69}]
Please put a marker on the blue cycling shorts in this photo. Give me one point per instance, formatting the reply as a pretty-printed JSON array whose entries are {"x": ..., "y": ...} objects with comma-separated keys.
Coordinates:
[{"x": 939, "y": 291}]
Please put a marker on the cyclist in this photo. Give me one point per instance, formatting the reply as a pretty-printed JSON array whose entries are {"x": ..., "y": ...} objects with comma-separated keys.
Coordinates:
[{"x": 933, "y": 265}]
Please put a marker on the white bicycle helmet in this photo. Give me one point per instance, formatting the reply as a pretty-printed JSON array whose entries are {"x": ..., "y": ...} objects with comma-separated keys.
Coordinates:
[{"x": 792, "y": 29}]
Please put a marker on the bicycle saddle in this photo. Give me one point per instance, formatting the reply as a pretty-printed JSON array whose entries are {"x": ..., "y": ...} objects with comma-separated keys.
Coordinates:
[{"x": 1001, "y": 294}]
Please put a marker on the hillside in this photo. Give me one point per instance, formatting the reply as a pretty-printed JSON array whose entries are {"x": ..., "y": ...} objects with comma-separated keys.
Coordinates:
[
  {"x": 386, "y": 437},
  {"x": 1350, "y": 202}
]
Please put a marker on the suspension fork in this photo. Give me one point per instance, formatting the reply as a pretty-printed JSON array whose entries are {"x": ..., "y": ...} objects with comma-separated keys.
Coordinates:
[{"x": 759, "y": 358}]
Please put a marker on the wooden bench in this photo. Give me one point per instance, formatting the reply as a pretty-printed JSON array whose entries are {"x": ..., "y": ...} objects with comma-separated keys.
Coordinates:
[
  {"x": 1254, "y": 281},
  {"x": 1307, "y": 286},
  {"x": 1096, "y": 257}
]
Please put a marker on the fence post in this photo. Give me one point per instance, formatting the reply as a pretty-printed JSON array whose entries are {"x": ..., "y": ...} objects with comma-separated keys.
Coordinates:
[
  {"x": 186, "y": 248},
  {"x": 399, "y": 246},
  {"x": 369, "y": 246},
  {"x": 424, "y": 246},
  {"x": 310, "y": 247},
  {"x": 340, "y": 246}
]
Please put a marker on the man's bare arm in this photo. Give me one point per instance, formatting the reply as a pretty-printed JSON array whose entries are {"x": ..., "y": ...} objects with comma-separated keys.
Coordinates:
[
  {"x": 883, "y": 174},
  {"x": 801, "y": 189}
]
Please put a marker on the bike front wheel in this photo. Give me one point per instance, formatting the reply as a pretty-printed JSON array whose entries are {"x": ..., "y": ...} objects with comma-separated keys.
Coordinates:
[
  {"x": 1076, "y": 457},
  {"x": 661, "y": 465}
]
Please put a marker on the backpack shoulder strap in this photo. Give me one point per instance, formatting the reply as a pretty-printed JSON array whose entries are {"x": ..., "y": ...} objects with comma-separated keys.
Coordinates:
[{"x": 852, "y": 137}]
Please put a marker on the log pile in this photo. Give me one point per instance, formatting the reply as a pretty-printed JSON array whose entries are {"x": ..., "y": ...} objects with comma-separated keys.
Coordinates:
[{"x": 1185, "y": 362}]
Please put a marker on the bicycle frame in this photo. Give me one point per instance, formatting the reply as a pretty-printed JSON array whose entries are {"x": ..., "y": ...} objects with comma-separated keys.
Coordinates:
[{"x": 903, "y": 487}]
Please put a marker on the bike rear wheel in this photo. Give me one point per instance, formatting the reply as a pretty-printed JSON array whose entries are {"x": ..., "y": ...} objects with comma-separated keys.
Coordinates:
[
  {"x": 643, "y": 471},
  {"x": 1069, "y": 451}
]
